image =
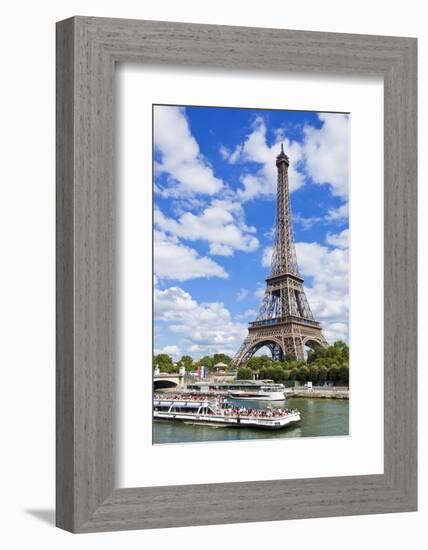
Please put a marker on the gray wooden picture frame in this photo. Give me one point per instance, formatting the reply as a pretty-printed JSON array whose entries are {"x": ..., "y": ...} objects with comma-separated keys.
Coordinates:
[{"x": 87, "y": 50}]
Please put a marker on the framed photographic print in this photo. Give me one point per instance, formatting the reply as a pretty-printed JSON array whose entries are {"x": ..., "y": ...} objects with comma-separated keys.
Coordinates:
[
  {"x": 209, "y": 369},
  {"x": 236, "y": 264}
]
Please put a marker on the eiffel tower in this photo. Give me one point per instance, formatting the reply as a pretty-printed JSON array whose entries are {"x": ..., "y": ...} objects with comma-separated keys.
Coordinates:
[{"x": 285, "y": 323}]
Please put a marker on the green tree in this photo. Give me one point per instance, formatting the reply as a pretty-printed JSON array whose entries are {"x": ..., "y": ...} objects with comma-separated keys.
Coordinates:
[
  {"x": 269, "y": 373},
  {"x": 293, "y": 364},
  {"x": 254, "y": 363},
  {"x": 278, "y": 373},
  {"x": 221, "y": 358},
  {"x": 303, "y": 374},
  {"x": 312, "y": 357},
  {"x": 257, "y": 362},
  {"x": 335, "y": 355},
  {"x": 164, "y": 362},
  {"x": 313, "y": 374},
  {"x": 333, "y": 373},
  {"x": 294, "y": 374},
  {"x": 286, "y": 375},
  {"x": 266, "y": 361},
  {"x": 341, "y": 346},
  {"x": 343, "y": 374},
  {"x": 244, "y": 373},
  {"x": 275, "y": 373},
  {"x": 206, "y": 361},
  {"x": 322, "y": 375},
  {"x": 262, "y": 373},
  {"x": 187, "y": 362}
]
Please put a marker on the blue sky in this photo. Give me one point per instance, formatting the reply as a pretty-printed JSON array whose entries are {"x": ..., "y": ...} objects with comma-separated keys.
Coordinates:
[{"x": 214, "y": 209}]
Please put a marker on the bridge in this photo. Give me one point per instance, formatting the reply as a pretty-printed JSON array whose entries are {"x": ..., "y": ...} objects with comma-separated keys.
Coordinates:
[{"x": 164, "y": 380}]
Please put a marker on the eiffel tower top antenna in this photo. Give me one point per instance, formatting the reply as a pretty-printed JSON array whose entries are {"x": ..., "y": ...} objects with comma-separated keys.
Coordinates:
[{"x": 284, "y": 253}]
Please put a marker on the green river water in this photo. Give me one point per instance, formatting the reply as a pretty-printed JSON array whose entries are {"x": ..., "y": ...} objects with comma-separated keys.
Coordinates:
[{"x": 320, "y": 417}]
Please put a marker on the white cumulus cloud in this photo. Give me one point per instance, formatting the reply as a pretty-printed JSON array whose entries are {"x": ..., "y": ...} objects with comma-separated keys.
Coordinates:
[
  {"x": 338, "y": 214},
  {"x": 204, "y": 327},
  {"x": 336, "y": 331},
  {"x": 230, "y": 156},
  {"x": 259, "y": 292},
  {"x": 255, "y": 148},
  {"x": 242, "y": 294},
  {"x": 267, "y": 256},
  {"x": 326, "y": 152},
  {"x": 328, "y": 292},
  {"x": 341, "y": 240},
  {"x": 322, "y": 154},
  {"x": 169, "y": 350},
  {"x": 221, "y": 224},
  {"x": 188, "y": 170},
  {"x": 173, "y": 260},
  {"x": 248, "y": 314}
]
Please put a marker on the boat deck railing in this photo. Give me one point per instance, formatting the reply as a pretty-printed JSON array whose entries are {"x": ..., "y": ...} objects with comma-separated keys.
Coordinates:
[
  {"x": 197, "y": 398},
  {"x": 236, "y": 412}
]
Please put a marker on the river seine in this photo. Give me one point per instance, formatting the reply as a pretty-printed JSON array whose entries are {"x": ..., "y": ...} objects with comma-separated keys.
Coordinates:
[{"x": 320, "y": 417}]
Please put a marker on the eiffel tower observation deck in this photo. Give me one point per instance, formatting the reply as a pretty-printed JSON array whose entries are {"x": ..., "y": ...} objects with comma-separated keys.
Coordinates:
[{"x": 285, "y": 323}]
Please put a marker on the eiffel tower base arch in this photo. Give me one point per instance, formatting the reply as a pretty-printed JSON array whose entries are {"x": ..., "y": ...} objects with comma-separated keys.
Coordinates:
[{"x": 281, "y": 341}]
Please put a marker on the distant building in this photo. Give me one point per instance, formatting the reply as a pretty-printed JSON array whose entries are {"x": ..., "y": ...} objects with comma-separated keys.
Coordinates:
[{"x": 221, "y": 369}]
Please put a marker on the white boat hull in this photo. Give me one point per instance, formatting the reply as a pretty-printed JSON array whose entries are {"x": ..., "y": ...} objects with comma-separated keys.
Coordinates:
[
  {"x": 259, "y": 396},
  {"x": 271, "y": 423}
]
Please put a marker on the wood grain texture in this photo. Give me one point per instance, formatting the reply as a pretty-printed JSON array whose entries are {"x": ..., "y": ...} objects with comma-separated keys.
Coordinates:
[
  {"x": 87, "y": 49},
  {"x": 64, "y": 277}
]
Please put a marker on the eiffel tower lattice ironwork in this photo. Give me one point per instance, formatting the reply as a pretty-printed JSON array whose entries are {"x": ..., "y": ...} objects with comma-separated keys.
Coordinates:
[{"x": 285, "y": 323}]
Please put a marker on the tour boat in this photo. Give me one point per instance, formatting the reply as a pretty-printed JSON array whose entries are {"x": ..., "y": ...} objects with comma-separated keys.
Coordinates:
[
  {"x": 260, "y": 390},
  {"x": 215, "y": 412}
]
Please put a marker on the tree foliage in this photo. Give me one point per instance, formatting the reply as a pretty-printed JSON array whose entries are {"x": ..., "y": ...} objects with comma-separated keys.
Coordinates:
[
  {"x": 258, "y": 362},
  {"x": 164, "y": 362},
  {"x": 210, "y": 360},
  {"x": 323, "y": 365},
  {"x": 338, "y": 354},
  {"x": 221, "y": 358},
  {"x": 244, "y": 373},
  {"x": 187, "y": 362},
  {"x": 206, "y": 361},
  {"x": 314, "y": 373},
  {"x": 322, "y": 375},
  {"x": 343, "y": 375},
  {"x": 333, "y": 373}
]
